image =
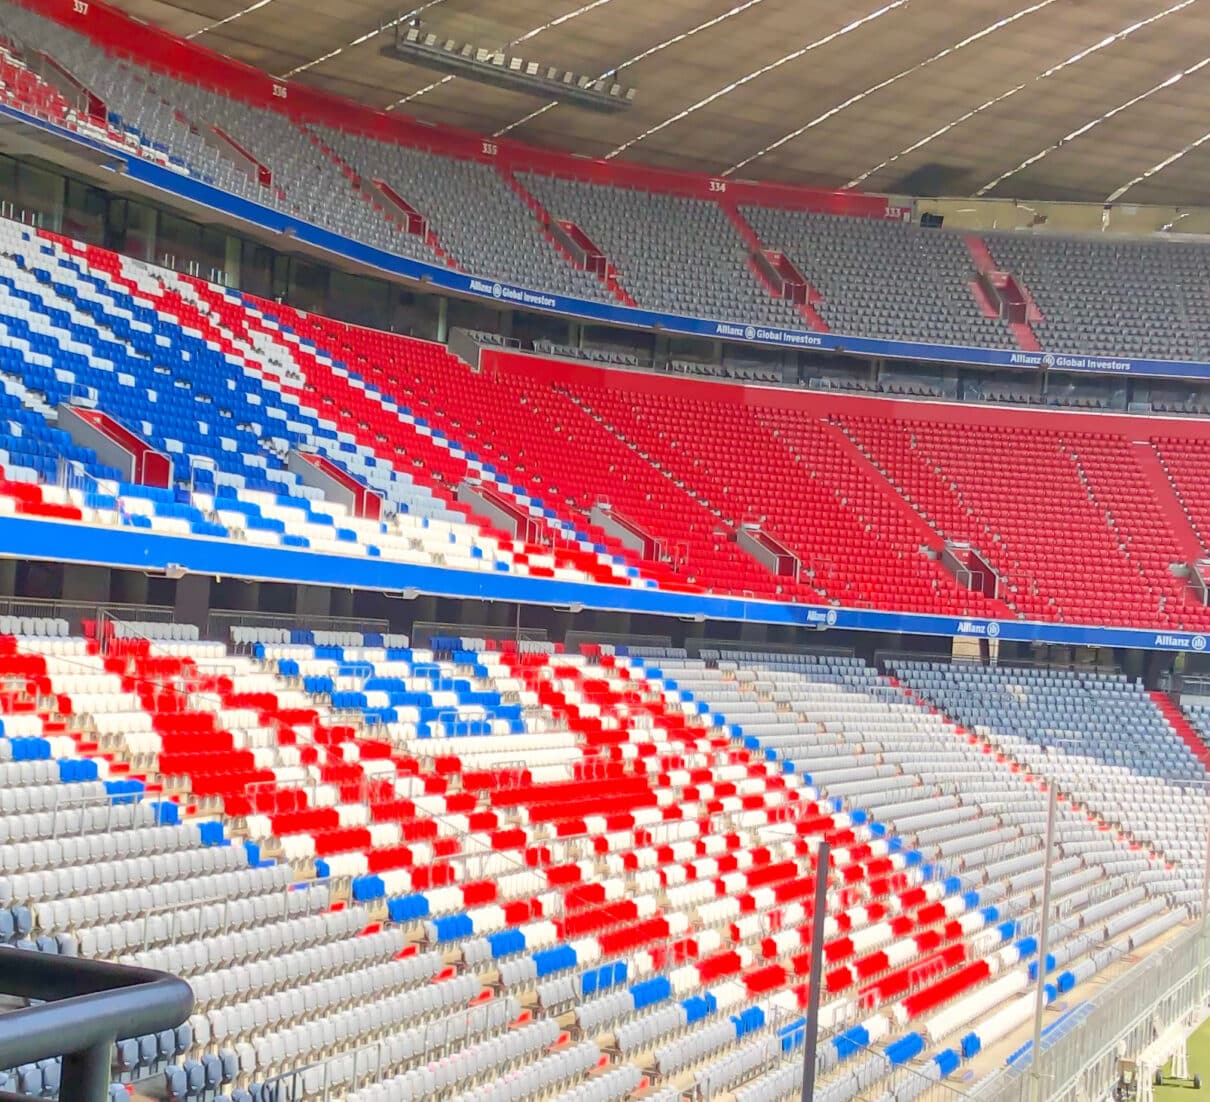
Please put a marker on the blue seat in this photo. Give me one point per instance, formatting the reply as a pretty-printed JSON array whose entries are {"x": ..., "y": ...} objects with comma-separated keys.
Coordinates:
[
  {"x": 29, "y": 1079},
  {"x": 176, "y": 1084}
]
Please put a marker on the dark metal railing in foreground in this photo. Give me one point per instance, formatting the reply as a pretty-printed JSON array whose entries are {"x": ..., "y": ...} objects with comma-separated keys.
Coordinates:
[{"x": 84, "y": 1007}]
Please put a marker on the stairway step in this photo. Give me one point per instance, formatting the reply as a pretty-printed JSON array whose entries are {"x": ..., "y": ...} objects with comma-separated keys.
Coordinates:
[{"x": 1187, "y": 733}]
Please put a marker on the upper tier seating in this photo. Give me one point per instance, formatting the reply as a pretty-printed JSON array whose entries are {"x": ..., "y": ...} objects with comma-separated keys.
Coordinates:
[
  {"x": 304, "y": 182},
  {"x": 21, "y": 87},
  {"x": 883, "y": 279},
  {"x": 169, "y": 120},
  {"x": 1114, "y": 298},
  {"x": 137, "y": 113},
  {"x": 674, "y": 254},
  {"x": 522, "y": 874},
  {"x": 500, "y": 240},
  {"x": 877, "y": 279}
]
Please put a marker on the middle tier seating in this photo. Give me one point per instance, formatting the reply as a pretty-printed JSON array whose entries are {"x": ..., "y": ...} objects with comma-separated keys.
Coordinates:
[
  {"x": 795, "y": 478},
  {"x": 865, "y": 498},
  {"x": 87, "y": 325},
  {"x": 1065, "y": 517}
]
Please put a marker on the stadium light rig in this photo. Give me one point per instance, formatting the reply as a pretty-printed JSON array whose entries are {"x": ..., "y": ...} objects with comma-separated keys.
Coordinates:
[{"x": 490, "y": 66}]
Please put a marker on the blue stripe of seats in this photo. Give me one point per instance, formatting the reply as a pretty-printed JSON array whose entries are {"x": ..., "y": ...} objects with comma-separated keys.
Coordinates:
[
  {"x": 506, "y": 942},
  {"x": 651, "y": 991},
  {"x": 405, "y": 908},
  {"x": 601, "y": 979},
  {"x": 453, "y": 927},
  {"x": 1033, "y": 967},
  {"x": 555, "y": 960},
  {"x": 850, "y": 1041},
  {"x": 905, "y": 1049},
  {"x": 947, "y": 1061},
  {"x": 747, "y": 1020},
  {"x": 74, "y": 770},
  {"x": 698, "y": 1007}
]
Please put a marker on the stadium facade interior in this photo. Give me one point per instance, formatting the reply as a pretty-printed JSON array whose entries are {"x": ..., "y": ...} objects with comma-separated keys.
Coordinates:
[{"x": 451, "y": 592}]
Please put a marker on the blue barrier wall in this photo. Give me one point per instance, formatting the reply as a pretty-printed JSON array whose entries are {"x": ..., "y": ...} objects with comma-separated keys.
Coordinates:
[{"x": 138, "y": 549}]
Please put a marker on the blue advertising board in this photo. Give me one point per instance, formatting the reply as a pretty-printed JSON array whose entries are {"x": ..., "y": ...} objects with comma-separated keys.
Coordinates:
[
  {"x": 441, "y": 278},
  {"x": 139, "y": 549}
]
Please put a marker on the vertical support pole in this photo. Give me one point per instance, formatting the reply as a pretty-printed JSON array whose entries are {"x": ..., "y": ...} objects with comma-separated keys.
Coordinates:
[
  {"x": 1035, "y": 1065},
  {"x": 810, "y": 1042},
  {"x": 85, "y": 1076},
  {"x": 232, "y": 255},
  {"x": 1205, "y": 927}
]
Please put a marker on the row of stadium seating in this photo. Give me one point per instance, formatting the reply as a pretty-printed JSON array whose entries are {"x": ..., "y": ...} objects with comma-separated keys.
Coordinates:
[
  {"x": 85, "y": 323},
  {"x": 1104, "y": 740},
  {"x": 1028, "y": 499},
  {"x": 866, "y": 501},
  {"x": 506, "y": 871},
  {"x": 686, "y": 256}
]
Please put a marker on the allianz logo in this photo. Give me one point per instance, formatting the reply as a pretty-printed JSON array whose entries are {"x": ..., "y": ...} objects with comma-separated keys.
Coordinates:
[
  {"x": 971, "y": 627},
  {"x": 1181, "y": 642}
]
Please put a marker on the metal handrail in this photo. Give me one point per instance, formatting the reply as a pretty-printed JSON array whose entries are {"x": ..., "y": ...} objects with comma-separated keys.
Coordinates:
[
  {"x": 220, "y": 621},
  {"x": 89, "y": 1005},
  {"x": 424, "y": 630},
  {"x": 883, "y": 657}
]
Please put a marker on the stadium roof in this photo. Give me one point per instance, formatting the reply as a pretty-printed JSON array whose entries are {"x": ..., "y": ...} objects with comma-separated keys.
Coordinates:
[{"x": 1051, "y": 99}]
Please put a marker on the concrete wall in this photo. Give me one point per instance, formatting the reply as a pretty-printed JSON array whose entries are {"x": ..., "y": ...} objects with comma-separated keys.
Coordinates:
[
  {"x": 107, "y": 451},
  {"x": 310, "y": 475},
  {"x": 1067, "y": 218}
]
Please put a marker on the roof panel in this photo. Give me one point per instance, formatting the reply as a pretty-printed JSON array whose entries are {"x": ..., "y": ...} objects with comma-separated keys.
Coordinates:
[{"x": 801, "y": 90}]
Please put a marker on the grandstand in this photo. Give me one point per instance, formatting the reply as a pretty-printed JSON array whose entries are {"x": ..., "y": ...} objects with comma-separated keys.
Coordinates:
[{"x": 488, "y": 624}]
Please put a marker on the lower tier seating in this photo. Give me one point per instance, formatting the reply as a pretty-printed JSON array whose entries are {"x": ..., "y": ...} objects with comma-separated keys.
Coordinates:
[
  {"x": 1100, "y": 737},
  {"x": 510, "y": 872}
]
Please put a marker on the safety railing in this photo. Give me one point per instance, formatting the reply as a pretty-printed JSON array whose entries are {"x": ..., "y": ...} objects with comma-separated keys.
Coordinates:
[
  {"x": 1125, "y": 1016},
  {"x": 423, "y": 631},
  {"x": 220, "y": 622},
  {"x": 76, "y": 612},
  {"x": 884, "y": 658},
  {"x": 728, "y": 648},
  {"x": 84, "y": 1007}
]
